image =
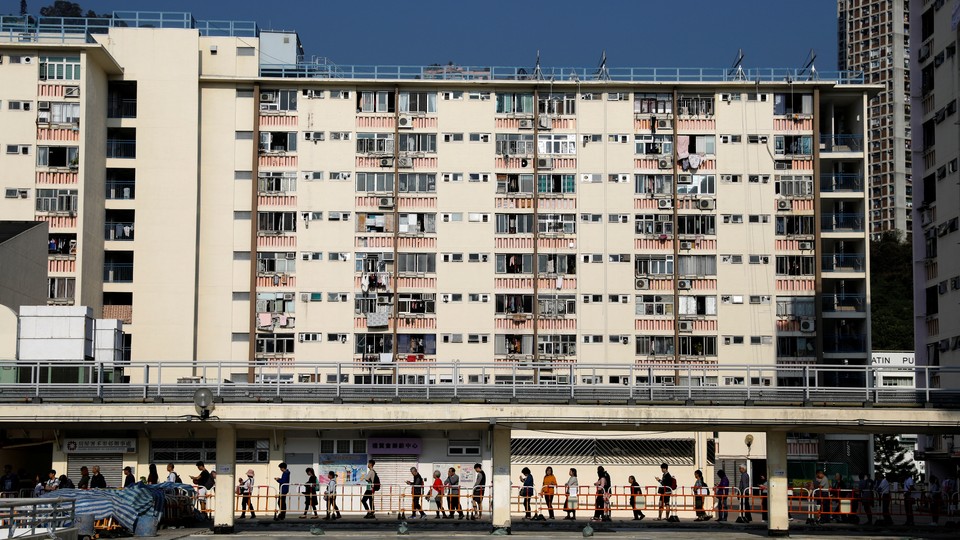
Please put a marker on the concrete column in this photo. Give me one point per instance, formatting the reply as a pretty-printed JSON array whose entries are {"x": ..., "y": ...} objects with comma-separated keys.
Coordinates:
[
  {"x": 778, "y": 523},
  {"x": 501, "y": 478},
  {"x": 225, "y": 502}
]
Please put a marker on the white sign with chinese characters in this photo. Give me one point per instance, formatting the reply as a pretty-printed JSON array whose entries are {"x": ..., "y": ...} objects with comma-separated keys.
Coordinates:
[{"x": 113, "y": 445}]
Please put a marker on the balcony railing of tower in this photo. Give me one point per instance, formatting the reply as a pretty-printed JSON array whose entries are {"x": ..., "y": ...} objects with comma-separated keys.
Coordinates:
[
  {"x": 323, "y": 69},
  {"x": 29, "y": 29},
  {"x": 437, "y": 382}
]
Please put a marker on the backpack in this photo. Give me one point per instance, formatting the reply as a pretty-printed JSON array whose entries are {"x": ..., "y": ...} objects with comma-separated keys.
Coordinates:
[
  {"x": 376, "y": 482},
  {"x": 178, "y": 479},
  {"x": 673, "y": 482}
]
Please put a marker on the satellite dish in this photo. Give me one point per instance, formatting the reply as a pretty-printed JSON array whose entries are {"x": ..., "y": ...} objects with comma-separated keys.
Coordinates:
[{"x": 203, "y": 401}]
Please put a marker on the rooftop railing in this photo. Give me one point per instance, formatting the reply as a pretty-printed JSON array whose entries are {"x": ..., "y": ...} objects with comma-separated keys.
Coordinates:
[
  {"x": 15, "y": 28},
  {"x": 434, "y": 382},
  {"x": 326, "y": 70}
]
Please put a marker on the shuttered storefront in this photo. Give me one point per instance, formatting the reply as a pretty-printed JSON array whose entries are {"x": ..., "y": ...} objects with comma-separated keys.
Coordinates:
[
  {"x": 111, "y": 467},
  {"x": 394, "y": 471}
]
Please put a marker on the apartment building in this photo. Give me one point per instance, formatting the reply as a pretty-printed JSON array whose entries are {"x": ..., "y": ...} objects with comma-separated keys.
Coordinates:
[
  {"x": 227, "y": 207},
  {"x": 874, "y": 38},
  {"x": 936, "y": 258}
]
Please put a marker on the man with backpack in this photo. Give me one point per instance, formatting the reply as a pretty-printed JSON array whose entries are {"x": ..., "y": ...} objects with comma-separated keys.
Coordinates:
[
  {"x": 667, "y": 484},
  {"x": 373, "y": 485}
]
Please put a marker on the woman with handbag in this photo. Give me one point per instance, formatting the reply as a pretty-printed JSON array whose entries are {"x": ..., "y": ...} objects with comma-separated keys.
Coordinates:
[
  {"x": 526, "y": 490},
  {"x": 310, "y": 493}
]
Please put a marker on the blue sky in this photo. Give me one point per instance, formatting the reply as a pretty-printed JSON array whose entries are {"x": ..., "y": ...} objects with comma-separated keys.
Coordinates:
[{"x": 635, "y": 33}]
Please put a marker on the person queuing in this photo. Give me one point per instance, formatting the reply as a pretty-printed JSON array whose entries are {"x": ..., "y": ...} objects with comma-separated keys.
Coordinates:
[
  {"x": 416, "y": 492},
  {"x": 373, "y": 485},
  {"x": 700, "y": 490},
  {"x": 548, "y": 489},
  {"x": 283, "y": 482},
  {"x": 721, "y": 489},
  {"x": 245, "y": 490},
  {"x": 636, "y": 491},
  {"x": 744, "y": 488},
  {"x": 84, "y": 482},
  {"x": 667, "y": 485},
  {"x": 603, "y": 487},
  {"x": 573, "y": 492},
  {"x": 437, "y": 492},
  {"x": 479, "y": 488},
  {"x": 97, "y": 481},
  {"x": 310, "y": 493},
  {"x": 453, "y": 493},
  {"x": 330, "y": 496},
  {"x": 526, "y": 490}
]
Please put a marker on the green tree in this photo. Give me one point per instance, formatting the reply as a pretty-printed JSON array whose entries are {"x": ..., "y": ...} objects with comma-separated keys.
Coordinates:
[
  {"x": 62, "y": 8},
  {"x": 890, "y": 457},
  {"x": 891, "y": 286},
  {"x": 23, "y": 7}
]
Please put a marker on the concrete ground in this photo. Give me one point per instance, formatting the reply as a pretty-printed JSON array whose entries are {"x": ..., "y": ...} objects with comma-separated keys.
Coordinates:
[{"x": 625, "y": 530}]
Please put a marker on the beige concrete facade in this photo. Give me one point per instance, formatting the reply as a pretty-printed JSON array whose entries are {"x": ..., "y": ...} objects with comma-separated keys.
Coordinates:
[{"x": 934, "y": 35}]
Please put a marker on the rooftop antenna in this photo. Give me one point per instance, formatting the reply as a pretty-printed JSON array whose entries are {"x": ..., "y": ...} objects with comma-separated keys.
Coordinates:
[
  {"x": 809, "y": 67},
  {"x": 537, "y": 72},
  {"x": 736, "y": 71},
  {"x": 602, "y": 73}
]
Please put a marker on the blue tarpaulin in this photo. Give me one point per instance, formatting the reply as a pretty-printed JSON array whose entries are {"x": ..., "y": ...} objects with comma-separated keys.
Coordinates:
[{"x": 124, "y": 505}]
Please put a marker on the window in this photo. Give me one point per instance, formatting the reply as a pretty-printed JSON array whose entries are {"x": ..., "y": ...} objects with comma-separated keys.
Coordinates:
[
  {"x": 375, "y": 182},
  {"x": 21, "y": 149},
  {"x": 452, "y": 96},
  {"x": 557, "y": 304},
  {"x": 514, "y": 223},
  {"x": 592, "y": 338},
  {"x": 275, "y": 343},
  {"x": 512, "y": 344},
  {"x": 697, "y": 265},
  {"x": 653, "y": 265},
  {"x": 653, "y": 224},
  {"x": 596, "y": 258},
  {"x": 278, "y": 141},
  {"x": 512, "y": 144},
  {"x": 417, "y": 183},
  {"x": 418, "y": 142},
  {"x": 557, "y": 144},
  {"x": 452, "y": 257},
  {"x": 591, "y": 218},
  {"x": 556, "y": 183},
  {"x": 792, "y": 103},
  {"x": 276, "y": 262},
  {"x": 375, "y": 143},
  {"x": 417, "y": 263},
  {"x": 61, "y": 113},
  {"x": 514, "y": 263},
  {"x": 652, "y": 305},
  {"x": 698, "y": 345},
  {"x": 796, "y": 145},
  {"x": 506, "y": 304},
  {"x": 731, "y": 259},
  {"x": 478, "y": 297},
  {"x": 57, "y": 201},
  {"x": 479, "y": 137},
  {"x": 618, "y": 96},
  {"x": 759, "y": 259},
  {"x": 338, "y": 297},
  {"x": 557, "y": 344},
  {"x": 795, "y": 306},
  {"x": 60, "y": 68},
  {"x": 696, "y": 224},
  {"x": 794, "y": 225},
  {"x": 278, "y": 100},
  {"x": 61, "y": 288},
  {"x": 618, "y": 218},
  {"x": 452, "y": 137},
  {"x": 277, "y": 182},
  {"x": 653, "y": 184},
  {"x": 733, "y": 218},
  {"x": 653, "y": 145},
  {"x": 246, "y": 51},
  {"x": 697, "y": 305},
  {"x": 731, "y": 299},
  {"x": 731, "y": 139},
  {"x": 795, "y": 265},
  {"x": 478, "y": 177},
  {"x": 557, "y": 223},
  {"x": 338, "y": 216},
  {"x": 557, "y": 104},
  {"x": 453, "y": 177},
  {"x": 451, "y": 217},
  {"x": 552, "y": 263},
  {"x": 654, "y": 345},
  {"x": 733, "y": 340},
  {"x": 276, "y": 222},
  {"x": 758, "y": 178},
  {"x": 476, "y": 217},
  {"x": 418, "y": 102},
  {"x": 58, "y": 156},
  {"x": 700, "y": 144},
  {"x": 652, "y": 103},
  {"x": 695, "y": 104},
  {"x": 794, "y": 186},
  {"x": 515, "y": 183},
  {"x": 375, "y": 101},
  {"x": 619, "y": 257},
  {"x": 508, "y": 103}
]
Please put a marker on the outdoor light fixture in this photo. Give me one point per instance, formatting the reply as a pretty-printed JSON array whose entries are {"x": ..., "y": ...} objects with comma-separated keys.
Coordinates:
[{"x": 203, "y": 401}]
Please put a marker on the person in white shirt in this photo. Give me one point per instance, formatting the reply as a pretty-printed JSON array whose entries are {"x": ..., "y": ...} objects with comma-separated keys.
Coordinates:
[
  {"x": 371, "y": 487},
  {"x": 909, "y": 490},
  {"x": 573, "y": 490},
  {"x": 171, "y": 475},
  {"x": 53, "y": 483},
  {"x": 245, "y": 489},
  {"x": 883, "y": 488},
  {"x": 330, "y": 495}
]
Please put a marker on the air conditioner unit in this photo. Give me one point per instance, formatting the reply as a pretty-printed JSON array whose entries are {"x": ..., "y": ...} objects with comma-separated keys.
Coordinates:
[
  {"x": 445, "y": 298},
  {"x": 43, "y": 117},
  {"x": 625, "y": 339},
  {"x": 405, "y": 162},
  {"x": 641, "y": 284},
  {"x": 707, "y": 204},
  {"x": 388, "y": 256},
  {"x": 269, "y": 107},
  {"x": 784, "y": 204},
  {"x": 71, "y": 91},
  {"x": 304, "y": 297},
  {"x": 686, "y": 245},
  {"x": 664, "y": 123},
  {"x": 385, "y": 202},
  {"x": 313, "y": 136},
  {"x": 545, "y": 122},
  {"x": 805, "y": 246},
  {"x": 291, "y": 255},
  {"x": 545, "y": 163},
  {"x": 288, "y": 296},
  {"x": 684, "y": 284},
  {"x": 43, "y": 105},
  {"x": 386, "y": 162},
  {"x": 26, "y": 60},
  {"x": 623, "y": 178},
  {"x": 664, "y": 163},
  {"x": 664, "y": 203},
  {"x": 685, "y": 179},
  {"x": 685, "y": 326},
  {"x": 808, "y": 325},
  {"x": 268, "y": 96},
  {"x": 526, "y": 123},
  {"x": 405, "y": 121}
]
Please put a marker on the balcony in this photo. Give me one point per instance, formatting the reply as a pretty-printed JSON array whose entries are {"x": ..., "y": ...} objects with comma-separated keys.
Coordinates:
[
  {"x": 841, "y": 183},
  {"x": 843, "y": 303},
  {"x": 118, "y": 231},
  {"x": 839, "y": 262},
  {"x": 122, "y": 190},
  {"x": 122, "y": 108},
  {"x": 843, "y": 222},
  {"x": 841, "y": 143},
  {"x": 117, "y": 272},
  {"x": 121, "y": 149},
  {"x": 844, "y": 343}
]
